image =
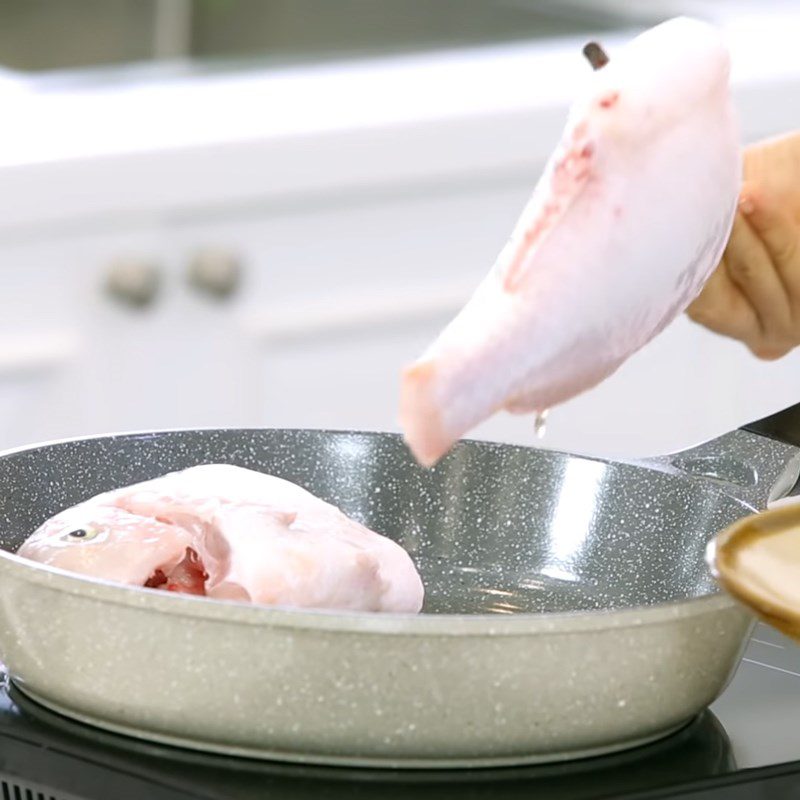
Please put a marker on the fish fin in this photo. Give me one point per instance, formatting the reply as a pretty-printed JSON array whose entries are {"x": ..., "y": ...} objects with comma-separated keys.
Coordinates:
[
  {"x": 563, "y": 182},
  {"x": 420, "y": 415}
]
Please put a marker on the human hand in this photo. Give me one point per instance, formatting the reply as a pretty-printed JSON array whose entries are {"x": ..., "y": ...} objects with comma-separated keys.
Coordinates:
[{"x": 754, "y": 294}]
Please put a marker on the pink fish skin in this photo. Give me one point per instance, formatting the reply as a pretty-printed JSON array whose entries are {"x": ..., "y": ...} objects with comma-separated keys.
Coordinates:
[
  {"x": 626, "y": 224},
  {"x": 232, "y": 533}
]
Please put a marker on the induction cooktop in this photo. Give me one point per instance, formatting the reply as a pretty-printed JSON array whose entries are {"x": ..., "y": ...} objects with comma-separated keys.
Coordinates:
[{"x": 746, "y": 746}]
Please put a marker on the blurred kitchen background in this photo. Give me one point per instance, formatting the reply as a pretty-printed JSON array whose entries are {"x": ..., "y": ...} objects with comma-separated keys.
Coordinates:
[{"x": 254, "y": 212}]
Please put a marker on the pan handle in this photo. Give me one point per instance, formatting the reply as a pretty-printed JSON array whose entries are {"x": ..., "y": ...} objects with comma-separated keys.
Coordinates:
[
  {"x": 781, "y": 427},
  {"x": 759, "y": 463}
]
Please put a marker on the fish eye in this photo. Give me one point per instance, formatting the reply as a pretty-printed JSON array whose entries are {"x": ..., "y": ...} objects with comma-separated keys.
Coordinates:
[{"x": 80, "y": 535}]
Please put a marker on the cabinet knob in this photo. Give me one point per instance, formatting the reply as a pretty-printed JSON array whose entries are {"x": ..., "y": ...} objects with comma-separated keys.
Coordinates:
[
  {"x": 215, "y": 272},
  {"x": 133, "y": 282}
]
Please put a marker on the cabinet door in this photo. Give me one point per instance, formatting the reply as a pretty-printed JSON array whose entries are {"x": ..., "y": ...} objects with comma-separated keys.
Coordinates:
[
  {"x": 40, "y": 342},
  {"x": 47, "y": 298},
  {"x": 343, "y": 379},
  {"x": 336, "y": 297},
  {"x": 73, "y": 359}
]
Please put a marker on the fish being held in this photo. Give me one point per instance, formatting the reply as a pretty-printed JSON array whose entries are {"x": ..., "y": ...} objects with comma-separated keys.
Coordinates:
[
  {"x": 227, "y": 532},
  {"x": 626, "y": 224}
]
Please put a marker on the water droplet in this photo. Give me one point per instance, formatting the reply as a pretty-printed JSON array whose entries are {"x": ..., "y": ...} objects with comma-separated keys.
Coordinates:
[{"x": 540, "y": 423}]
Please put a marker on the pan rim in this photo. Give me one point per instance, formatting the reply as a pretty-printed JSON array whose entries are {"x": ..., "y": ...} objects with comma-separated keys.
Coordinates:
[
  {"x": 337, "y": 621},
  {"x": 654, "y": 463},
  {"x": 405, "y": 624}
]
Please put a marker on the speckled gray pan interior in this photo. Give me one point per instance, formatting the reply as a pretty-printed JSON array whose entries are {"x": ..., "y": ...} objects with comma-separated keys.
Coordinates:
[{"x": 569, "y": 610}]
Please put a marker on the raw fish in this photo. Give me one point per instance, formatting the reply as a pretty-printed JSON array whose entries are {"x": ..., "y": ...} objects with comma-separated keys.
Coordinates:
[
  {"x": 627, "y": 222},
  {"x": 231, "y": 533}
]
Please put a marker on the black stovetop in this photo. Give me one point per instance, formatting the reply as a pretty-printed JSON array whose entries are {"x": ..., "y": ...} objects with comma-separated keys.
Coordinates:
[{"x": 746, "y": 746}]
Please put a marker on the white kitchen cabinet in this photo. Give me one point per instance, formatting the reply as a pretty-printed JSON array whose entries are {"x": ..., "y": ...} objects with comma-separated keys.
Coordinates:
[
  {"x": 335, "y": 297},
  {"x": 326, "y": 290},
  {"x": 363, "y": 203},
  {"x": 341, "y": 381},
  {"x": 75, "y": 360},
  {"x": 53, "y": 323}
]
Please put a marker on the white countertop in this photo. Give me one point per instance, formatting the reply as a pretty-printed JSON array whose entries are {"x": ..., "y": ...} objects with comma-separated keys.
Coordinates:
[
  {"x": 214, "y": 109},
  {"x": 72, "y": 150}
]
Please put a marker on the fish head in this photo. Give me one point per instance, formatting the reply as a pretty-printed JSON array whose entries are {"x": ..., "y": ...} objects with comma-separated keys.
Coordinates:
[
  {"x": 108, "y": 542},
  {"x": 654, "y": 82}
]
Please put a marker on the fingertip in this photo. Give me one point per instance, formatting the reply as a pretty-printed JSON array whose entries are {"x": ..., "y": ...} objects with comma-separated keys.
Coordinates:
[{"x": 767, "y": 352}]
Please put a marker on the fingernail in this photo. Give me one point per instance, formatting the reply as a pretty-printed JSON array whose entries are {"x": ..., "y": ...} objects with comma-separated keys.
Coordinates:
[{"x": 746, "y": 205}]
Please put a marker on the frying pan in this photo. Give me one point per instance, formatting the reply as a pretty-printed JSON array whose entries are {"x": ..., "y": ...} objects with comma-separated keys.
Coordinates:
[{"x": 569, "y": 609}]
